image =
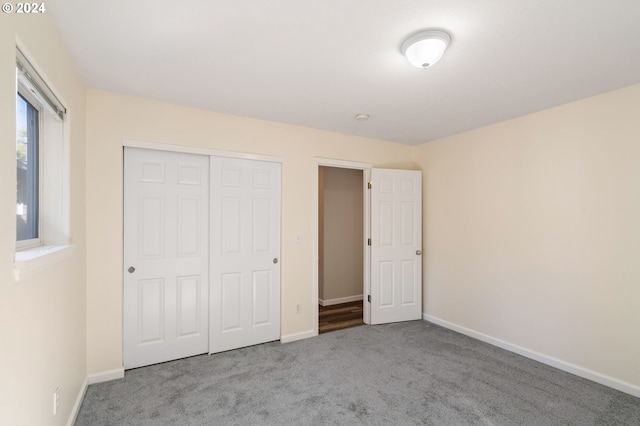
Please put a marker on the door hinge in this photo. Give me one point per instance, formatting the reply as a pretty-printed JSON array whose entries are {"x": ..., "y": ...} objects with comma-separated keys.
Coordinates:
[
  {"x": 369, "y": 298},
  {"x": 368, "y": 241},
  {"x": 369, "y": 185}
]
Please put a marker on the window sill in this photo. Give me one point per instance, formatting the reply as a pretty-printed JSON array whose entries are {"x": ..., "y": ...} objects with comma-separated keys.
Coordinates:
[{"x": 29, "y": 261}]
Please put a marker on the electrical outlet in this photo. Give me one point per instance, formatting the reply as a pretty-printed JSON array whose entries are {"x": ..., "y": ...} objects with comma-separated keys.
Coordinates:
[{"x": 56, "y": 401}]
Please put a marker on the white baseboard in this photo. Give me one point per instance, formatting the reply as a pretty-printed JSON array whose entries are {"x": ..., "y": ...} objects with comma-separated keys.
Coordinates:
[
  {"x": 90, "y": 380},
  {"x": 76, "y": 405},
  {"x": 105, "y": 376},
  {"x": 329, "y": 302},
  {"x": 536, "y": 356},
  {"x": 298, "y": 336}
]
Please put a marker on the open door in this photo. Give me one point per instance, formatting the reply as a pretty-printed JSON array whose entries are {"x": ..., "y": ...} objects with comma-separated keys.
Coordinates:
[{"x": 396, "y": 245}]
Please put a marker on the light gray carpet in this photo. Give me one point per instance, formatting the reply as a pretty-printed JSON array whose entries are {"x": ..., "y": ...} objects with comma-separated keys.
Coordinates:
[{"x": 395, "y": 374}]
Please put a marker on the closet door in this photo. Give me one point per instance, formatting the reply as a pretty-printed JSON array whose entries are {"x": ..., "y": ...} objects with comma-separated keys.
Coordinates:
[
  {"x": 166, "y": 257},
  {"x": 245, "y": 253}
]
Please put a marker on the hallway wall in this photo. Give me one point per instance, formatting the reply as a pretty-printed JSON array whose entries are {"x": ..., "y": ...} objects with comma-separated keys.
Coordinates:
[{"x": 341, "y": 235}]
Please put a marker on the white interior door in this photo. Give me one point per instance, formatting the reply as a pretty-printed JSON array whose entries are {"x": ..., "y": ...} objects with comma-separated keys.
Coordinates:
[
  {"x": 396, "y": 245},
  {"x": 166, "y": 257},
  {"x": 245, "y": 253}
]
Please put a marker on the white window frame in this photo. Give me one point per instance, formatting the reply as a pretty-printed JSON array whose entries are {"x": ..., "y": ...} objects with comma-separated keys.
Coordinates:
[{"x": 54, "y": 228}]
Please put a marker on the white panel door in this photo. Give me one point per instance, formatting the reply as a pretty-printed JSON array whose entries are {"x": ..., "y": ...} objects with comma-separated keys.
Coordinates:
[
  {"x": 245, "y": 253},
  {"x": 396, "y": 245},
  {"x": 166, "y": 256}
]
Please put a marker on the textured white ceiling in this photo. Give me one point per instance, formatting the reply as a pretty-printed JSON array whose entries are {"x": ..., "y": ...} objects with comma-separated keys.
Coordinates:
[{"x": 318, "y": 63}]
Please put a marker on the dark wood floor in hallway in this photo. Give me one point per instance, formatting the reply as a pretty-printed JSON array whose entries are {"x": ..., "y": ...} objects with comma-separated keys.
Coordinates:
[{"x": 337, "y": 317}]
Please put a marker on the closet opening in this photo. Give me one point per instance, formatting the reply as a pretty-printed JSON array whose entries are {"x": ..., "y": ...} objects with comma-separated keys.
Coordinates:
[{"x": 341, "y": 262}]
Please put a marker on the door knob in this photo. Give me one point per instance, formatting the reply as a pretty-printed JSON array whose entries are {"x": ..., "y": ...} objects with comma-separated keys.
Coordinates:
[
  {"x": 131, "y": 269},
  {"x": 418, "y": 252},
  {"x": 275, "y": 260}
]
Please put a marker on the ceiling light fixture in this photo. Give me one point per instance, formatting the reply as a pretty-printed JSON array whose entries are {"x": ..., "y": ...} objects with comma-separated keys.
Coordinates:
[
  {"x": 362, "y": 117},
  {"x": 424, "y": 48}
]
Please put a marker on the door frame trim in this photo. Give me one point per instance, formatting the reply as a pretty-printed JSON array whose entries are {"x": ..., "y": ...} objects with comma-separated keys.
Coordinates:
[
  {"x": 366, "y": 176},
  {"x": 188, "y": 149}
]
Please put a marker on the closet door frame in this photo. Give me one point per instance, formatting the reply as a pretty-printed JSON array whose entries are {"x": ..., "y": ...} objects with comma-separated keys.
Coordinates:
[
  {"x": 187, "y": 149},
  {"x": 153, "y": 145}
]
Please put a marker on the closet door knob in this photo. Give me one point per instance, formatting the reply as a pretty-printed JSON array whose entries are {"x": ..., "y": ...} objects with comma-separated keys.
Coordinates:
[
  {"x": 275, "y": 260},
  {"x": 418, "y": 252},
  {"x": 131, "y": 269}
]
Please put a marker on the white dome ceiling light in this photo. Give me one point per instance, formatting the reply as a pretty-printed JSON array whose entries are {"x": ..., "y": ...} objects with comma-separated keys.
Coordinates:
[{"x": 424, "y": 48}]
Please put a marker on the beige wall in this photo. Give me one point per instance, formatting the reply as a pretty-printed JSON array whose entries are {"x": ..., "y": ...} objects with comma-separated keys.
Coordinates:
[
  {"x": 342, "y": 234},
  {"x": 42, "y": 318},
  {"x": 532, "y": 232},
  {"x": 111, "y": 117}
]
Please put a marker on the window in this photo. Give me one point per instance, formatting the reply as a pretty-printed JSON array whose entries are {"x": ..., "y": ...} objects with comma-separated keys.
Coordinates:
[
  {"x": 28, "y": 170},
  {"x": 42, "y": 195}
]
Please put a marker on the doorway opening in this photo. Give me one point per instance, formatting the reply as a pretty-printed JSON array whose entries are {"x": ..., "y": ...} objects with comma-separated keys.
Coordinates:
[{"x": 341, "y": 235}]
